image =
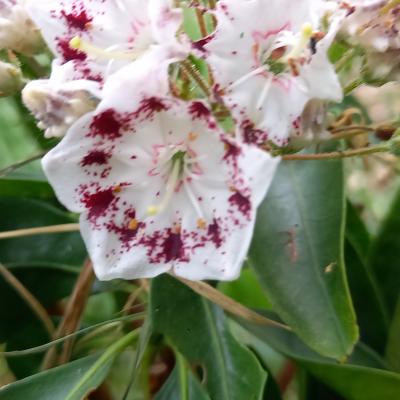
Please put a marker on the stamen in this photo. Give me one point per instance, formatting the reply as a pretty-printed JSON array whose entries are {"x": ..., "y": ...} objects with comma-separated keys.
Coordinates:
[
  {"x": 77, "y": 43},
  {"x": 246, "y": 77},
  {"x": 388, "y": 7},
  {"x": 264, "y": 93},
  {"x": 133, "y": 224}
]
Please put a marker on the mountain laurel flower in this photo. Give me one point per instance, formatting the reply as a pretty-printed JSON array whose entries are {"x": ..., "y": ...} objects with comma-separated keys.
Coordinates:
[
  {"x": 58, "y": 102},
  {"x": 374, "y": 24},
  {"x": 268, "y": 65},
  {"x": 17, "y": 30},
  {"x": 11, "y": 79},
  {"x": 160, "y": 187},
  {"x": 99, "y": 37}
]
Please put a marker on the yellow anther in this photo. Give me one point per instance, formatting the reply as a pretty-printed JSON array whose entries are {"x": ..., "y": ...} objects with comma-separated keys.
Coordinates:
[
  {"x": 133, "y": 224},
  {"x": 75, "y": 43},
  {"x": 177, "y": 228},
  {"x": 117, "y": 189},
  {"x": 201, "y": 223},
  {"x": 193, "y": 136}
]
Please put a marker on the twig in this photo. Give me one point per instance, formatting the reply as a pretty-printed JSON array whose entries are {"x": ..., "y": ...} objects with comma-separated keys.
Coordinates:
[
  {"x": 30, "y": 299},
  {"x": 39, "y": 231},
  {"x": 352, "y": 128},
  {"x": 338, "y": 154},
  {"x": 13, "y": 167},
  {"x": 229, "y": 304},
  {"x": 286, "y": 376},
  {"x": 72, "y": 316}
]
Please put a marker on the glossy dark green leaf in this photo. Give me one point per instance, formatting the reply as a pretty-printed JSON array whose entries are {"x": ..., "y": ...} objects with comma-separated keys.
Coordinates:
[
  {"x": 51, "y": 250},
  {"x": 171, "y": 388},
  {"x": 34, "y": 189},
  {"x": 385, "y": 257},
  {"x": 361, "y": 378},
  {"x": 368, "y": 302},
  {"x": 297, "y": 253},
  {"x": 56, "y": 383},
  {"x": 393, "y": 343},
  {"x": 199, "y": 331},
  {"x": 47, "y": 265}
]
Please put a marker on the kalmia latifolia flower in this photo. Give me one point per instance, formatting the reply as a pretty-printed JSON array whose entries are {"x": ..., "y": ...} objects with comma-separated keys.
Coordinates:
[
  {"x": 58, "y": 102},
  {"x": 374, "y": 25},
  {"x": 159, "y": 185},
  {"x": 100, "y": 36},
  {"x": 17, "y": 30},
  {"x": 269, "y": 58}
]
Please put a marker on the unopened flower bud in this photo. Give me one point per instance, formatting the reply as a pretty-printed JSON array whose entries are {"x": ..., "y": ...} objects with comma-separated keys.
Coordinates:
[
  {"x": 10, "y": 79},
  {"x": 17, "y": 30},
  {"x": 385, "y": 132},
  {"x": 56, "y": 110}
]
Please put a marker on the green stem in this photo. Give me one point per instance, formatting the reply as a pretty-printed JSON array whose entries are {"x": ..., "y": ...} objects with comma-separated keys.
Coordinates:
[
  {"x": 339, "y": 154},
  {"x": 115, "y": 349},
  {"x": 11, "y": 168},
  {"x": 352, "y": 86},
  {"x": 182, "y": 375},
  {"x": 195, "y": 75}
]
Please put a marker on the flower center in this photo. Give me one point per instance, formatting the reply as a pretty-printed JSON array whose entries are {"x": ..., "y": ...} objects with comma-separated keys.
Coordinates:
[
  {"x": 176, "y": 171},
  {"x": 277, "y": 60}
]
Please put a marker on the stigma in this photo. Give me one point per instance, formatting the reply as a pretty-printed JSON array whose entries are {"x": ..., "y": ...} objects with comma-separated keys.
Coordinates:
[{"x": 77, "y": 43}]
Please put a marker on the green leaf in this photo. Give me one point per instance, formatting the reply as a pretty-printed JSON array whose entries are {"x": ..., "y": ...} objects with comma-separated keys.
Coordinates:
[
  {"x": 47, "y": 265},
  {"x": 56, "y": 383},
  {"x": 393, "y": 343},
  {"x": 171, "y": 388},
  {"x": 16, "y": 143},
  {"x": 199, "y": 331},
  {"x": 50, "y": 250},
  {"x": 297, "y": 253},
  {"x": 385, "y": 257},
  {"x": 371, "y": 313},
  {"x": 362, "y": 378},
  {"x": 102, "y": 364},
  {"x": 246, "y": 290},
  {"x": 28, "y": 188}
]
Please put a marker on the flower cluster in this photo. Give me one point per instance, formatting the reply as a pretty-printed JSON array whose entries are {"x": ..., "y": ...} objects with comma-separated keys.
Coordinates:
[
  {"x": 374, "y": 26},
  {"x": 167, "y": 164}
]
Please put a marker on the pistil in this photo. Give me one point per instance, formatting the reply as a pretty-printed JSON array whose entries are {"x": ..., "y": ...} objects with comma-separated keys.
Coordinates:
[
  {"x": 176, "y": 172},
  {"x": 77, "y": 43}
]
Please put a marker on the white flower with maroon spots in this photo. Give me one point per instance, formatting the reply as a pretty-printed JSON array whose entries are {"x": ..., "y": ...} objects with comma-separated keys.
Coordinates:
[
  {"x": 159, "y": 186},
  {"x": 58, "y": 102},
  {"x": 374, "y": 24},
  {"x": 269, "y": 59},
  {"x": 100, "y": 36}
]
